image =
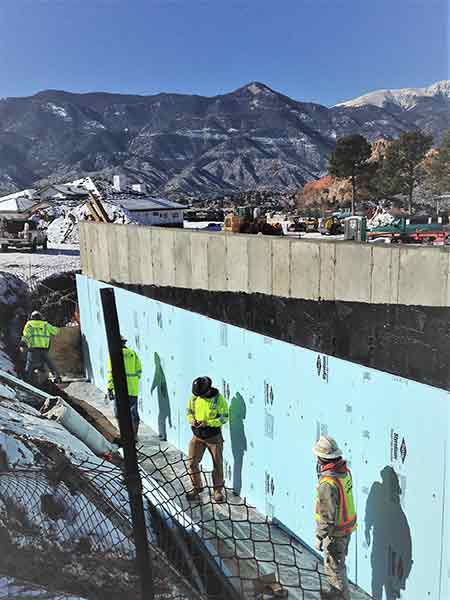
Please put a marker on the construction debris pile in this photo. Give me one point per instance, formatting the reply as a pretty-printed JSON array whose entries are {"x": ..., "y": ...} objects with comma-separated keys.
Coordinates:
[
  {"x": 380, "y": 218},
  {"x": 58, "y": 208},
  {"x": 64, "y": 228}
]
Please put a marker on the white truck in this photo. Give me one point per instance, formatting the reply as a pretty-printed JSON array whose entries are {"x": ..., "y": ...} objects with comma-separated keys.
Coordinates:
[{"x": 21, "y": 233}]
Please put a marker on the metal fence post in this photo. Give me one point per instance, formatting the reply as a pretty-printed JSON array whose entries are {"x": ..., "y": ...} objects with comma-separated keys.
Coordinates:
[{"x": 131, "y": 471}]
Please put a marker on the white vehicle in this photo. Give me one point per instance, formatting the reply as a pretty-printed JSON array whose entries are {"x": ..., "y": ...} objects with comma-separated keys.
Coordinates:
[{"x": 21, "y": 233}]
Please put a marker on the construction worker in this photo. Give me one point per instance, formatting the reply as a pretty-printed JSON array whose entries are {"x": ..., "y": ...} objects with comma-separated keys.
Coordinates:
[
  {"x": 335, "y": 514},
  {"x": 133, "y": 371},
  {"x": 36, "y": 337},
  {"x": 207, "y": 412}
]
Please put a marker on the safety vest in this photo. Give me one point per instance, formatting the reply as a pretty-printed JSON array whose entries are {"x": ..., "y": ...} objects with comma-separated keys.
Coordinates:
[
  {"x": 212, "y": 410},
  {"x": 346, "y": 517},
  {"x": 133, "y": 371},
  {"x": 36, "y": 334}
]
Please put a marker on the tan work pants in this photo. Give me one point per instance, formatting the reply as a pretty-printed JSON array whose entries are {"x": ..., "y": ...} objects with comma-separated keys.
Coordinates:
[
  {"x": 336, "y": 549},
  {"x": 197, "y": 449}
]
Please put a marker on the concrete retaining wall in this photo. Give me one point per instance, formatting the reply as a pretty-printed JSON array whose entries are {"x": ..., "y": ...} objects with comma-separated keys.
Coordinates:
[
  {"x": 394, "y": 432},
  {"x": 304, "y": 269}
]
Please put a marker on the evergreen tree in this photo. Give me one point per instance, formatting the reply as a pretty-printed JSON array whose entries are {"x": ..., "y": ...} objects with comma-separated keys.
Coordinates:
[
  {"x": 439, "y": 170},
  {"x": 350, "y": 159},
  {"x": 403, "y": 167}
]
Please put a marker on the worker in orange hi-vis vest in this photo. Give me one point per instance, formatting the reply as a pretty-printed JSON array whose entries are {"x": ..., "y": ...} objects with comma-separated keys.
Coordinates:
[{"x": 335, "y": 514}]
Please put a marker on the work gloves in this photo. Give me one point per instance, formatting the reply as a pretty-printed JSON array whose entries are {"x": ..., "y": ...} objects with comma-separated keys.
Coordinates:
[{"x": 109, "y": 396}]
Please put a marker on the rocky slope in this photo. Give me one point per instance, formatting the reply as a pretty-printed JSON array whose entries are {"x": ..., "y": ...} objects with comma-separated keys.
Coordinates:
[{"x": 179, "y": 145}]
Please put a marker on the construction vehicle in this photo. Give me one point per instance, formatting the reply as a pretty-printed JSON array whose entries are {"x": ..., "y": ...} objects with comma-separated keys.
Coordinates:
[
  {"x": 21, "y": 233},
  {"x": 401, "y": 230},
  {"x": 245, "y": 219},
  {"x": 331, "y": 225},
  {"x": 306, "y": 224}
]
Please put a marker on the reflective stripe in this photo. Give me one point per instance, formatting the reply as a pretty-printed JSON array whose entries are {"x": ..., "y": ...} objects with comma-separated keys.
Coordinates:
[
  {"x": 346, "y": 521},
  {"x": 206, "y": 409}
]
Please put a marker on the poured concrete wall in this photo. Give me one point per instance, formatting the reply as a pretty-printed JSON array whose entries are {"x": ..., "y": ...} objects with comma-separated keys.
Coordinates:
[
  {"x": 304, "y": 269},
  {"x": 394, "y": 432}
]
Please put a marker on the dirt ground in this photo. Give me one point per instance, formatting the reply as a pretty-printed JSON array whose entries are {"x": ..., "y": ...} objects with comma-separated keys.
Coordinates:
[{"x": 36, "y": 266}]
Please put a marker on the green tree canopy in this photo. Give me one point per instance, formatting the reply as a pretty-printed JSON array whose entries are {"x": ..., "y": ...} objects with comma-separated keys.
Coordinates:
[
  {"x": 350, "y": 159},
  {"x": 403, "y": 167},
  {"x": 439, "y": 168}
]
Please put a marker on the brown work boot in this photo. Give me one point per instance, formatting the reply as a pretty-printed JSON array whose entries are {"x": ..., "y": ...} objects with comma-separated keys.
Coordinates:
[
  {"x": 218, "y": 496},
  {"x": 193, "y": 495},
  {"x": 332, "y": 594}
]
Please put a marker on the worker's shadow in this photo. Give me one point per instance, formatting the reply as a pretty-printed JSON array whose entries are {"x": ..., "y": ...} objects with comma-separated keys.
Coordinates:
[
  {"x": 238, "y": 412},
  {"x": 386, "y": 524},
  {"x": 160, "y": 384},
  {"x": 85, "y": 352}
]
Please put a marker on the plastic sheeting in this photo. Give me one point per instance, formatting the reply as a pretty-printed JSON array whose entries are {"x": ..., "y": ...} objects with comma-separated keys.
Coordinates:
[{"x": 58, "y": 410}]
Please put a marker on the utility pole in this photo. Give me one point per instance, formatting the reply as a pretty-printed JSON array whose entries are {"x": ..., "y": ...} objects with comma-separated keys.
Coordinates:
[{"x": 131, "y": 467}]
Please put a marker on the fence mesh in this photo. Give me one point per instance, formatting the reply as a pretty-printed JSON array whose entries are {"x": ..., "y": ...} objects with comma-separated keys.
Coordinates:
[
  {"x": 67, "y": 525},
  {"x": 55, "y": 297}
]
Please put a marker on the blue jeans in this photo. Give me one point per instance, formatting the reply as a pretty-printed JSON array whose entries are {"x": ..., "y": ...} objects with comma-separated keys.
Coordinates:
[
  {"x": 38, "y": 357},
  {"x": 135, "y": 420}
]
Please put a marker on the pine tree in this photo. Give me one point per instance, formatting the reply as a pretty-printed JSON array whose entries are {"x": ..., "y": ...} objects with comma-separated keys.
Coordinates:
[
  {"x": 403, "y": 167},
  {"x": 350, "y": 159},
  {"x": 439, "y": 169}
]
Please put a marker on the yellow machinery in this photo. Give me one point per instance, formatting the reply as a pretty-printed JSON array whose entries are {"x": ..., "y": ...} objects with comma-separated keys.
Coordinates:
[{"x": 246, "y": 220}]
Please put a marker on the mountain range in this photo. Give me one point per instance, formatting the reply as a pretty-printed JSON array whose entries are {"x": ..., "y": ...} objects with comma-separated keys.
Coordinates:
[{"x": 251, "y": 138}]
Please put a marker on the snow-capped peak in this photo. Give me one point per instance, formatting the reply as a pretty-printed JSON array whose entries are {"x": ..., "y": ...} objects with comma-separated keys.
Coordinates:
[
  {"x": 405, "y": 98},
  {"x": 255, "y": 88}
]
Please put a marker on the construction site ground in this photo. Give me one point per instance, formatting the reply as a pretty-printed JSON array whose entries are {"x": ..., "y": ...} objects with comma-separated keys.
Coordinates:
[
  {"x": 229, "y": 519},
  {"x": 36, "y": 266}
]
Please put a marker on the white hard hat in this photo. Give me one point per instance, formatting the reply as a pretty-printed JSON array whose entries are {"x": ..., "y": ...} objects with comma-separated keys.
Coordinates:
[{"x": 326, "y": 447}]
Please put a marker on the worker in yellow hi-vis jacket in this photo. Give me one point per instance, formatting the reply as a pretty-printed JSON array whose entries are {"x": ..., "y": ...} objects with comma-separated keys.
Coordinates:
[
  {"x": 207, "y": 412},
  {"x": 133, "y": 371},
  {"x": 36, "y": 337}
]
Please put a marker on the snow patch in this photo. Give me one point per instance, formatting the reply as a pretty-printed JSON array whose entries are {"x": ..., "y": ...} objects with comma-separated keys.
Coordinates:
[
  {"x": 59, "y": 111},
  {"x": 406, "y": 98}
]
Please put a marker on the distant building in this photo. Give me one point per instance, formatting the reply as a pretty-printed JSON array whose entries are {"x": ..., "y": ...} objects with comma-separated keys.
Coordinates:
[
  {"x": 119, "y": 183},
  {"x": 18, "y": 204},
  {"x": 75, "y": 191},
  {"x": 153, "y": 211}
]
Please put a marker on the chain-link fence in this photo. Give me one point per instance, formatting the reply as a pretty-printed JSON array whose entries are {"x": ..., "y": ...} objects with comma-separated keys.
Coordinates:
[
  {"x": 55, "y": 297},
  {"x": 66, "y": 525}
]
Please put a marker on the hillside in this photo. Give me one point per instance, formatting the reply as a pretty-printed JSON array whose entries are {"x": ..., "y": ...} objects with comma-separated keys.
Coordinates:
[{"x": 252, "y": 138}]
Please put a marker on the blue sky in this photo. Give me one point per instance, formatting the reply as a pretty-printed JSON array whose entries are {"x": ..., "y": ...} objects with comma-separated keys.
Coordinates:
[{"x": 316, "y": 50}]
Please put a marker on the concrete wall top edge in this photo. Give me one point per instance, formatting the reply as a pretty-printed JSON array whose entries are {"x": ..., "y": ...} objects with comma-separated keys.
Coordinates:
[{"x": 286, "y": 267}]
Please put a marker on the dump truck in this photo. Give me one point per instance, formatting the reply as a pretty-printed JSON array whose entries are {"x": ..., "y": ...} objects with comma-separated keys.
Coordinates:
[
  {"x": 21, "y": 233},
  {"x": 400, "y": 230}
]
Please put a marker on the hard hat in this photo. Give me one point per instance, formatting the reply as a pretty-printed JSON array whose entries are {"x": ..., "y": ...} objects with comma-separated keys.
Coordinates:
[
  {"x": 123, "y": 339},
  {"x": 36, "y": 315},
  {"x": 326, "y": 447},
  {"x": 201, "y": 386}
]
